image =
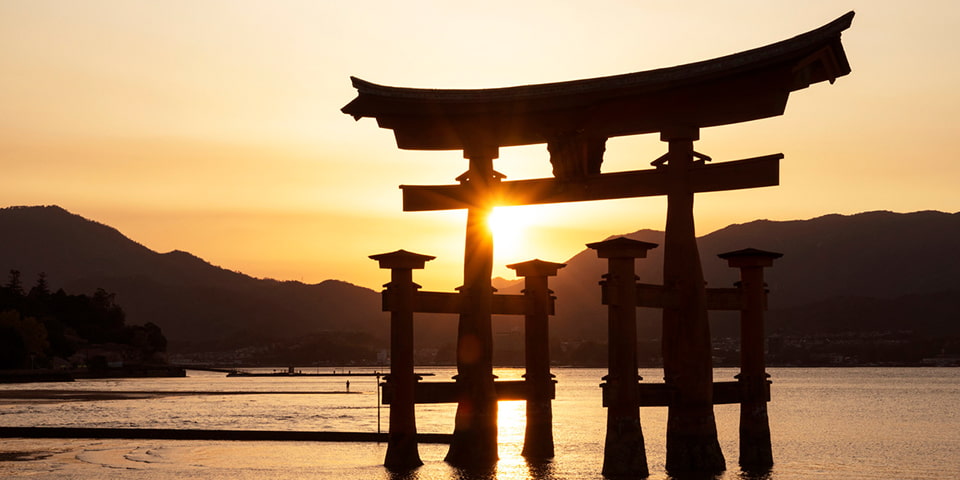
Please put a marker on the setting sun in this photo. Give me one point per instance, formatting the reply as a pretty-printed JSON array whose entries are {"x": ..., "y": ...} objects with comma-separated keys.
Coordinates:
[{"x": 510, "y": 226}]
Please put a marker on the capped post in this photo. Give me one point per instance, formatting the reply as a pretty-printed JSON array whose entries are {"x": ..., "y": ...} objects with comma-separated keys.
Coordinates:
[
  {"x": 756, "y": 451},
  {"x": 402, "y": 453},
  {"x": 538, "y": 437},
  {"x": 624, "y": 453}
]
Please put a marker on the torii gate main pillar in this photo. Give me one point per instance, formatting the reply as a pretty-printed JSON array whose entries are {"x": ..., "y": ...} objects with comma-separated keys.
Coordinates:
[
  {"x": 474, "y": 439},
  {"x": 692, "y": 443}
]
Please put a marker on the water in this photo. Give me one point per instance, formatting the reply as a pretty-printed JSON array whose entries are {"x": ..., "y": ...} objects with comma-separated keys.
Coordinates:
[{"x": 857, "y": 423}]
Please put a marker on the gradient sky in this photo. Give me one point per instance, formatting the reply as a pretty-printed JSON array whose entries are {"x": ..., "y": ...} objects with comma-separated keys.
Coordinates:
[{"x": 215, "y": 127}]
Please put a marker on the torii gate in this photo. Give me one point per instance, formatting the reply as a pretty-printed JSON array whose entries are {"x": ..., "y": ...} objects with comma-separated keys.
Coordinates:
[{"x": 575, "y": 119}]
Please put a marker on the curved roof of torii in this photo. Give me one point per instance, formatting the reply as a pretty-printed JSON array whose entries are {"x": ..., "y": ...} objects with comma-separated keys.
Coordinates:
[{"x": 735, "y": 88}]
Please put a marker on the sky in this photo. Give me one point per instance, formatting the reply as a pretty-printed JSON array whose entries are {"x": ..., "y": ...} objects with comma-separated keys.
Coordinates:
[{"x": 214, "y": 127}]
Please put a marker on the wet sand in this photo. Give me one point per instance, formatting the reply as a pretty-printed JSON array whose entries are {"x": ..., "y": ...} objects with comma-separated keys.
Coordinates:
[
  {"x": 50, "y": 395},
  {"x": 195, "y": 434}
]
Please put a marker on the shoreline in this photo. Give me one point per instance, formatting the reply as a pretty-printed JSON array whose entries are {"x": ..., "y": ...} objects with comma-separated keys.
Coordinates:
[
  {"x": 209, "y": 434},
  {"x": 13, "y": 396}
]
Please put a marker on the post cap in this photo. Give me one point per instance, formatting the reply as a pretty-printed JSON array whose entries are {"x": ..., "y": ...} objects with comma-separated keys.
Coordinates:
[
  {"x": 750, "y": 257},
  {"x": 402, "y": 259},
  {"x": 536, "y": 268},
  {"x": 622, "y": 247},
  {"x": 679, "y": 132}
]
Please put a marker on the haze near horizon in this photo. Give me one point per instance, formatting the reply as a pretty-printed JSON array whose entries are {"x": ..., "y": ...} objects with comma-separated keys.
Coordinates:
[{"x": 214, "y": 127}]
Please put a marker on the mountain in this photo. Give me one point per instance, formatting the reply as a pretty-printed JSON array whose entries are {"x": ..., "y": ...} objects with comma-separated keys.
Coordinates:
[
  {"x": 874, "y": 271},
  {"x": 867, "y": 274},
  {"x": 198, "y": 305}
]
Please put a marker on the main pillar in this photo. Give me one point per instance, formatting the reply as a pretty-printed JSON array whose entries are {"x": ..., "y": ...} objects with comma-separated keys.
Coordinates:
[
  {"x": 402, "y": 451},
  {"x": 756, "y": 452},
  {"x": 538, "y": 437},
  {"x": 474, "y": 441},
  {"x": 624, "y": 453},
  {"x": 692, "y": 444}
]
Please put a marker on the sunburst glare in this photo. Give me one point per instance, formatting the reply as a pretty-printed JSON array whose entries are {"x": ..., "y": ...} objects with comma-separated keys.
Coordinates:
[{"x": 510, "y": 226}]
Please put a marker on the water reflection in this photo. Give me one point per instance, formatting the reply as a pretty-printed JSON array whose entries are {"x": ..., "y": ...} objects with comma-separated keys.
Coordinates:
[
  {"x": 918, "y": 407},
  {"x": 505, "y": 469},
  {"x": 741, "y": 475},
  {"x": 695, "y": 476},
  {"x": 475, "y": 473},
  {"x": 407, "y": 475},
  {"x": 764, "y": 474},
  {"x": 541, "y": 470}
]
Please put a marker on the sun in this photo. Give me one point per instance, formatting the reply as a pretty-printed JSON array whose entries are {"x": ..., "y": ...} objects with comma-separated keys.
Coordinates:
[{"x": 509, "y": 226}]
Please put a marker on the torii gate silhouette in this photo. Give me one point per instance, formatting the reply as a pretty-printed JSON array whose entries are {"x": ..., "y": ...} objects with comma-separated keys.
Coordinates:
[{"x": 574, "y": 119}]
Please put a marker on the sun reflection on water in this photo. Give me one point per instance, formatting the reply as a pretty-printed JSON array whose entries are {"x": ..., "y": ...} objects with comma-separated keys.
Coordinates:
[{"x": 511, "y": 424}]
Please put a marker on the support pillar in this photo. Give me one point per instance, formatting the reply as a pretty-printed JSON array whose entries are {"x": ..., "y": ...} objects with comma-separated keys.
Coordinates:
[
  {"x": 402, "y": 453},
  {"x": 538, "y": 437},
  {"x": 756, "y": 452},
  {"x": 692, "y": 445},
  {"x": 624, "y": 453},
  {"x": 474, "y": 441}
]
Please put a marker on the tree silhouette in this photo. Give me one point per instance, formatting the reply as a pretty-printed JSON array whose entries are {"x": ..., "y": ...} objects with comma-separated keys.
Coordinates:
[
  {"x": 39, "y": 326},
  {"x": 41, "y": 289},
  {"x": 13, "y": 283}
]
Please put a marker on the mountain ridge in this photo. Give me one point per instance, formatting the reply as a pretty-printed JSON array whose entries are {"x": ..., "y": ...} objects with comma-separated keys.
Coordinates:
[
  {"x": 876, "y": 271},
  {"x": 879, "y": 255},
  {"x": 195, "y": 302}
]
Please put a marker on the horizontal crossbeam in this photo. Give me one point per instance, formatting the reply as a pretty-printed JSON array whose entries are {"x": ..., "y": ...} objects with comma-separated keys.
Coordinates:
[
  {"x": 663, "y": 395},
  {"x": 452, "y": 302},
  {"x": 656, "y": 296},
  {"x": 734, "y": 175},
  {"x": 446, "y": 392}
]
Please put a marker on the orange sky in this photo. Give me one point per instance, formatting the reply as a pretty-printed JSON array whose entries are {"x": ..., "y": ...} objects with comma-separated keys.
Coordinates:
[{"x": 214, "y": 126}]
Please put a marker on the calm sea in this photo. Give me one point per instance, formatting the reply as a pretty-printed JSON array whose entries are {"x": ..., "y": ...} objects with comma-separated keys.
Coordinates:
[{"x": 854, "y": 423}]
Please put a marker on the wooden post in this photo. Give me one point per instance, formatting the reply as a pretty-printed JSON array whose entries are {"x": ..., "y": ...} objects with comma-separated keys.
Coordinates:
[
  {"x": 624, "y": 453},
  {"x": 402, "y": 453},
  {"x": 474, "y": 441},
  {"x": 538, "y": 437},
  {"x": 756, "y": 452},
  {"x": 692, "y": 444}
]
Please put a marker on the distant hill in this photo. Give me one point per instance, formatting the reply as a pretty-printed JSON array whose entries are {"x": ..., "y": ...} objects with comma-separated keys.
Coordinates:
[
  {"x": 197, "y": 304},
  {"x": 875, "y": 271},
  {"x": 870, "y": 272}
]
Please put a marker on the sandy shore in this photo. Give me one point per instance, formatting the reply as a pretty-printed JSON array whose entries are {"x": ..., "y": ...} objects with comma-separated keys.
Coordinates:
[
  {"x": 206, "y": 434},
  {"x": 50, "y": 395}
]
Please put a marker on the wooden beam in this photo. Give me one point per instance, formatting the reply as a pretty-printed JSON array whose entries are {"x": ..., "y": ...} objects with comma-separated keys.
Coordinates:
[
  {"x": 655, "y": 296},
  {"x": 725, "y": 299},
  {"x": 511, "y": 305},
  {"x": 437, "y": 302},
  {"x": 662, "y": 395},
  {"x": 446, "y": 392},
  {"x": 734, "y": 175},
  {"x": 451, "y": 302}
]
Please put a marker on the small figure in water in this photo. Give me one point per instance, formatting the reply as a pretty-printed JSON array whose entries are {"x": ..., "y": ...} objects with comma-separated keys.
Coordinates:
[{"x": 348, "y": 385}]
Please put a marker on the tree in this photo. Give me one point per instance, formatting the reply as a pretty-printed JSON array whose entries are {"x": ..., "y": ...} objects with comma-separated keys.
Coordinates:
[
  {"x": 43, "y": 325},
  {"x": 23, "y": 338},
  {"x": 13, "y": 283},
  {"x": 41, "y": 289}
]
